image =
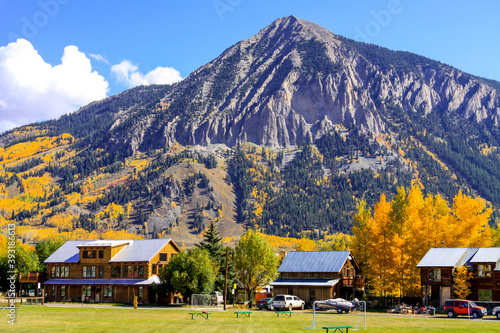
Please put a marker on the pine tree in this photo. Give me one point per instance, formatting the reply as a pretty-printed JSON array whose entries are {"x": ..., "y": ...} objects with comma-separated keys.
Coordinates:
[{"x": 212, "y": 242}]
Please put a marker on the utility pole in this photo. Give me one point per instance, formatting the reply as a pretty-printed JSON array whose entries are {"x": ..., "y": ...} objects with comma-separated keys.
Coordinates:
[{"x": 225, "y": 282}]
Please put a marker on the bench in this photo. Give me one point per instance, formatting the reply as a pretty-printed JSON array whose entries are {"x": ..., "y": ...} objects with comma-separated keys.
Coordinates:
[
  {"x": 284, "y": 313},
  {"x": 242, "y": 313},
  {"x": 196, "y": 314},
  {"x": 337, "y": 328}
]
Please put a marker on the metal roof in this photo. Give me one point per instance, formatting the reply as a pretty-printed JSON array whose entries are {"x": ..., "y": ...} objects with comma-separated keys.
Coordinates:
[
  {"x": 447, "y": 257},
  {"x": 136, "y": 250},
  {"x": 140, "y": 250},
  {"x": 305, "y": 282},
  {"x": 487, "y": 254},
  {"x": 149, "y": 281},
  {"x": 314, "y": 261},
  {"x": 104, "y": 243},
  {"x": 67, "y": 253}
]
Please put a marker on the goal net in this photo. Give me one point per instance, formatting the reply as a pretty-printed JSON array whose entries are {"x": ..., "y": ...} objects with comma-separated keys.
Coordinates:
[
  {"x": 338, "y": 312},
  {"x": 202, "y": 302}
]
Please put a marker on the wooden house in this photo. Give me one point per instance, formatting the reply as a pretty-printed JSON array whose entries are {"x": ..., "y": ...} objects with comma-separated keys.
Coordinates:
[
  {"x": 319, "y": 275},
  {"x": 107, "y": 270},
  {"x": 439, "y": 264}
]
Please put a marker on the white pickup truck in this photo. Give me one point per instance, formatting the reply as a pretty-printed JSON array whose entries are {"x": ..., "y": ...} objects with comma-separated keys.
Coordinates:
[{"x": 289, "y": 302}]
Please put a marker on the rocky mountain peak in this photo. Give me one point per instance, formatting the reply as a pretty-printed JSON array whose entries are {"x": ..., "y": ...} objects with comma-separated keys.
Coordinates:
[{"x": 293, "y": 82}]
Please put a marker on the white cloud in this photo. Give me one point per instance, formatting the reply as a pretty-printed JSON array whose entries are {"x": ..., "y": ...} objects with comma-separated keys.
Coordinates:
[
  {"x": 99, "y": 57},
  {"x": 33, "y": 90},
  {"x": 128, "y": 73}
]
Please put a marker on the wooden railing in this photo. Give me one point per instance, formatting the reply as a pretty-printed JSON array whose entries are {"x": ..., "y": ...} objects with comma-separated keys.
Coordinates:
[
  {"x": 357, "y": 282},
  {"x": 31, "y": 277}
]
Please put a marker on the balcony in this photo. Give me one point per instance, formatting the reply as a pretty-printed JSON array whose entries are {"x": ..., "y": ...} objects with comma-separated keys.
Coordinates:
[
  {"x": 32, "y": 277},
  {"x": 357, "y": 282}
]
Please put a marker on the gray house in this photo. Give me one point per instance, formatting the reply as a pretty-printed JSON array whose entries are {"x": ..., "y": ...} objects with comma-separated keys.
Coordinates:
[{"x": 319, "y": 275}]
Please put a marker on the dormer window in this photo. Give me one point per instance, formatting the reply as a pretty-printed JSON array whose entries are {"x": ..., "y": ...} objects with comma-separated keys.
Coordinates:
[
  {"x": 484, "y": 270},
  {"x": 88, "y": 254}
]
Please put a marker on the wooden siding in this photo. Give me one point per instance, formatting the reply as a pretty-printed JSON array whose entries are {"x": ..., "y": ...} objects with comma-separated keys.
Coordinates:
[
  {"x": 121, "y": 293},
  {"x": 446, "y": 276}
]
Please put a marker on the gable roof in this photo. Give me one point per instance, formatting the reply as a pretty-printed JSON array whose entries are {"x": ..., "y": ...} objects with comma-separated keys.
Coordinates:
[
  {"x": 314, "y": 261},
  {"x": 487, "y": 254},
  {"x": 447, "y": 257},
  {"x": 141, "y": 250},
  {"x": 67, "y": 253},
  {"x": 135, "y": 250}
]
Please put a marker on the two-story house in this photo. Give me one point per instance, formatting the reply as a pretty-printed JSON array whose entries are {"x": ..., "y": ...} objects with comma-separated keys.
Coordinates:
[
  {"x": 439, "y": 264},
  {"x": 319, "y": 275},
  {"x": 107, "y": 270}
]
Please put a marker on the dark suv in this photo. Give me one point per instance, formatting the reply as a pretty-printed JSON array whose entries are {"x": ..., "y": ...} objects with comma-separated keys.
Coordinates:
[{"x": 455, "y": 307}]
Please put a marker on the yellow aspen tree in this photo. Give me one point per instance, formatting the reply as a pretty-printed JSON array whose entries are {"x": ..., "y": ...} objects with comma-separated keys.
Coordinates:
[
  {"x": 469, "y": 222},
  {"x": 382, "y": 258},
  {"x": 361, "y": 247},
  {"x": 462, "y": 282}
]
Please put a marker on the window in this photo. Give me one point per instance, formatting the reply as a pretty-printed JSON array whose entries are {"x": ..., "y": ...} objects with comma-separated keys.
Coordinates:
[
  {"x": 124, "y": 271},
  {"x": 163, "y": 256},
  {"x": 53, "y": 271},
  {"x": 136, "y": 271},
  {"x": 153, "y": 267},
  {"x": 108, "y": 291},
  {"x": 87, "y": 291},
  {"x": 435, "y": 274},
  {"x": 130, "y": 270},
  {"x": 89, "y": 254},
  {"x": 141, "y": 271},
  {"x": 63, "y": 291},
  {"x": 101, "y": 271},
  {"x": 116, "y": 271},
  {"x": 485, "y": 295},
  {"x": 58, "y": 271},
  {"x": 140, "y": 292},
  {"x": 290, "y": 291},
  {"x": 65, "y": 271},
  {"x": 312, "y": 294},
  {"x": 53, "y": 291},
  {"x": 101, "y": 254},
  {"x": 89, "y": 271},
  {"x": 484, "y": 270}
]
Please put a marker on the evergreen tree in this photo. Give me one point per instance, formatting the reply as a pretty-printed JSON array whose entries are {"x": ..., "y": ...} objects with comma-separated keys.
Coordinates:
[{"x": 212, "y": 242}]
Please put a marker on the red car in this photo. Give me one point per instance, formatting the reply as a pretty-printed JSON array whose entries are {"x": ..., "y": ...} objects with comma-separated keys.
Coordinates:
[{"x": 455, "y": 307}]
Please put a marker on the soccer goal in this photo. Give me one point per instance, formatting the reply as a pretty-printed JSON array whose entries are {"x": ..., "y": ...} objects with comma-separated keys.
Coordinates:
[
  {"x": 339, "y": 313},
  {"x": 202, "y": 302}
]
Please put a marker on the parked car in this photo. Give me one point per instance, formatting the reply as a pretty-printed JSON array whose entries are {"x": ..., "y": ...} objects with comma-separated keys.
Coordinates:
[
  {"x": 289, "y": 302},
  {"x": 456, "y": 307},
  {"x": 265, "y": 304},
  {"x": 487, "y": 305},
  {"x": 496, "y": 312},
  {"x": 216, "y": 298}
]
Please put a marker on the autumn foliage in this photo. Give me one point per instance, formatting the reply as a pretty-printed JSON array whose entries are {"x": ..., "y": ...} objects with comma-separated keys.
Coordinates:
[{"x": 390, "y": 241}]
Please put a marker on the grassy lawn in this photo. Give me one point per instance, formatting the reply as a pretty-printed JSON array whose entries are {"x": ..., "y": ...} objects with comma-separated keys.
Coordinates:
[{"x": 120, "y": 319}]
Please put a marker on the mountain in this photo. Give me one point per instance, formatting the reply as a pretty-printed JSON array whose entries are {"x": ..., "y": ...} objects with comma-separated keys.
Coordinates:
[{"x": 378, "y": 119}]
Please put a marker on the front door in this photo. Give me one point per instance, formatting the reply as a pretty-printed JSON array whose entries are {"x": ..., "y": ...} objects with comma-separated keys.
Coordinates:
[{"x": 97, "y": 294}]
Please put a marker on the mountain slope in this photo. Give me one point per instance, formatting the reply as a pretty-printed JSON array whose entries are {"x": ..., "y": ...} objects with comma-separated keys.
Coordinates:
[{"x": 378, "y": 119}]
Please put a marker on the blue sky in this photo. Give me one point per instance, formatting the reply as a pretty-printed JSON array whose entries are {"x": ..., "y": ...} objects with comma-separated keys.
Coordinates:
[{"x": 110, "y": 46}]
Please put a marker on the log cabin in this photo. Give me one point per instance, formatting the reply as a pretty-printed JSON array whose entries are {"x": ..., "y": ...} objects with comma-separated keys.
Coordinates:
[
  {"x": 319, "y": 275},
  {"x": 439, "y": 264},
  {"x": 111, "y": 271}
]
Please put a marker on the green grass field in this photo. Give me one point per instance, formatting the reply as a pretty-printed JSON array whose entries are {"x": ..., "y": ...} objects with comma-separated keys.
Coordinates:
[{"x": 123, "y": 319}]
